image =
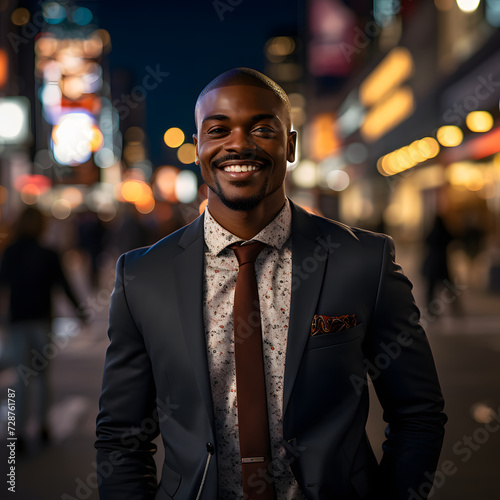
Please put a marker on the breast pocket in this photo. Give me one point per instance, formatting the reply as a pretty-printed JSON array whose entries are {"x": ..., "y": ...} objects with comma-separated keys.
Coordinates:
[{"x": 326, "y": 340}]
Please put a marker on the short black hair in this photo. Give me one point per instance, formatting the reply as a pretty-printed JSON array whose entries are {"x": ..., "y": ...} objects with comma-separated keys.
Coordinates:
[{"x": 246, "y": 76}]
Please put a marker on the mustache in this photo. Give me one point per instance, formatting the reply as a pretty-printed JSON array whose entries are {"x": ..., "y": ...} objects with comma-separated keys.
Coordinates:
[{"x": 242, "y": 157}]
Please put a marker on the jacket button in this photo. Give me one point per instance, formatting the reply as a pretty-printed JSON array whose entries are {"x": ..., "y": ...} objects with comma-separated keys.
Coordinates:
[{"x": 210, "y": 448}]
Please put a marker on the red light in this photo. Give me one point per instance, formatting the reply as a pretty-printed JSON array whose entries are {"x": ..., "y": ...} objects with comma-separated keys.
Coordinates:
[{"x": 39, "y": 181}]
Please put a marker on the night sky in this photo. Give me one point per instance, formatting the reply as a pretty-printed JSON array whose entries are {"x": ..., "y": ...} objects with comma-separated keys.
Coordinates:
[{"x": 188, "y": 40}]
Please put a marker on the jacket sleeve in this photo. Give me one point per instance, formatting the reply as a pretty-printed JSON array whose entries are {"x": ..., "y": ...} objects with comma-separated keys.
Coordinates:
[
  {"x": 406, "y": 382},
  {"x": 127, "y": 421}
]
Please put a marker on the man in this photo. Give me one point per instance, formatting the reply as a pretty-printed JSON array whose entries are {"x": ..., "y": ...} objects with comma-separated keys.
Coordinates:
[{"x": 332, "y": 304}]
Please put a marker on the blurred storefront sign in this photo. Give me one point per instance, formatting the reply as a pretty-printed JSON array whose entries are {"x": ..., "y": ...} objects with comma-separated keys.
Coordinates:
[
  {"x": 323, "y": 136},
  {"x": 77, "y": 118},
  {"x": 332, "y": 44}
]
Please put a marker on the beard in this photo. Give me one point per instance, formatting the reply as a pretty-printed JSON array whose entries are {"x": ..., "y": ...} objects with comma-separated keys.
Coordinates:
[{"x": 240, "y": 203}]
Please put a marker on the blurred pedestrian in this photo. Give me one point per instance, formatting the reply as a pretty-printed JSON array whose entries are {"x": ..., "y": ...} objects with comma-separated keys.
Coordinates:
[
  {"x": 30, "y": 272},
  {"x": 435, "y": 268},
  {"x": 91, "y": 234},
  {"x": 473, "y": 238}
]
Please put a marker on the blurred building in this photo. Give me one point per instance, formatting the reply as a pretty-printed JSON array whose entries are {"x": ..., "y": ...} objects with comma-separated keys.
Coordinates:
[
  {"x": 71, "y": 141},
  {"x": 402, "y": 118}
]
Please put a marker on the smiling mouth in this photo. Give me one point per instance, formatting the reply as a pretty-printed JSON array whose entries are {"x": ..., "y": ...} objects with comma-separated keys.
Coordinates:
[{"x": 240, "y": 168}]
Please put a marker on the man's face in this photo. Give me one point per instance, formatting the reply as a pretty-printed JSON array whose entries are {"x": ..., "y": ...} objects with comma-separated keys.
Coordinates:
[{"x": 243, "y": 144}]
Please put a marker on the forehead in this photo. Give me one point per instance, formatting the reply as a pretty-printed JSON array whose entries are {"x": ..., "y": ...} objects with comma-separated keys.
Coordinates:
[{"x": 233, "y": 100}]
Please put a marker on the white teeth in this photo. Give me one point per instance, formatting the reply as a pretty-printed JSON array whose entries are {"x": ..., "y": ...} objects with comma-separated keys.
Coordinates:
[{"x": 240, "y": 168}]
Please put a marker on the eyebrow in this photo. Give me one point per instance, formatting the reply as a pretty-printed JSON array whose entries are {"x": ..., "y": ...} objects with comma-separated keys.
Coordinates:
[{"x": 255, "y": 118}]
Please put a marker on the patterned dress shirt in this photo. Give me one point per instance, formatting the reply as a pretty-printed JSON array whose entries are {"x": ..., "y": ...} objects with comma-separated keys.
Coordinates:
[{"x": 273, "y": 269}]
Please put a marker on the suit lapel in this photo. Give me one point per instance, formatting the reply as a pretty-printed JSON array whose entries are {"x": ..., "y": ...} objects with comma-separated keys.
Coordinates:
[
  {"x": 189, "y": 280},
  {"x": 309, "y": 258}
]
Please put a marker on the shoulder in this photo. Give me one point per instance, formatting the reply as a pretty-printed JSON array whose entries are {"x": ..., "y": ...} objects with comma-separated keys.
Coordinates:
[
  {"x": 341, "y": 233},
  {"x": 165, "y": 249}
]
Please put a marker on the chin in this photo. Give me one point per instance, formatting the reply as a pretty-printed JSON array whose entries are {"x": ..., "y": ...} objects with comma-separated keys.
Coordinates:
[{"x": 241, "y": 203}]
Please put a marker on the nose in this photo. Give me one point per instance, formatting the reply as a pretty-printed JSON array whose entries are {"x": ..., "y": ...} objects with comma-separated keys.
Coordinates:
[{"x": 239, "y": 141}]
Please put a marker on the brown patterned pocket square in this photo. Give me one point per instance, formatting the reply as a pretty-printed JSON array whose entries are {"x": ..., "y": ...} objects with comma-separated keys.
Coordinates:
[{"x": 332, "y": 324}]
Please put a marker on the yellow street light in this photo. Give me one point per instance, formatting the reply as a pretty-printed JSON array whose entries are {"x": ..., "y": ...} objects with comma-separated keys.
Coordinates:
[
  {"x": 479, "y": 121},
  {"x": 174, "y": 137},
  {"x": 449, "y": 136}
]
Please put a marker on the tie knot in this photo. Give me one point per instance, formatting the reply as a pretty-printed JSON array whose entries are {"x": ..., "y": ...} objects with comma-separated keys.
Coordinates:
[{"x": 247, "y": 253}]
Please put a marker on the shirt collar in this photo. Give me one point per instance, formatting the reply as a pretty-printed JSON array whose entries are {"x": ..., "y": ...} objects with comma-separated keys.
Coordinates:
[{"x": 275, "y": 234}]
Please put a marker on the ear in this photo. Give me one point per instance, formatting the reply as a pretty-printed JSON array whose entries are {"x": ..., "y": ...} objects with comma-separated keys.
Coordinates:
[
  {"x": 291, "y": 146},
  {"x": 196, "y": 155}
]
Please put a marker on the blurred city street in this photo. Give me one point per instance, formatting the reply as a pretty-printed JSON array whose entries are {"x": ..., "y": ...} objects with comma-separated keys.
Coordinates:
[{"x": 467, "y": 353}]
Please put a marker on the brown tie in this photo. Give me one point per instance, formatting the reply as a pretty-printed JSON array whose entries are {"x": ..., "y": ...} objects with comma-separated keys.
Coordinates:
[{"x": 255, "y": 446}]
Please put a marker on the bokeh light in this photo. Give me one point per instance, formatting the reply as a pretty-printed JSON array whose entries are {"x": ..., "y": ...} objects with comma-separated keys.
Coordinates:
[
  {"x": 105, "y": 158},
  {"x": 396, "y": 67},
  {"x": 93, "y": 45},
  {"x": 408, "y": 156},
  {"x": 449, "y": 135},
  {"x": 164, "y": 181},
  {"x": 429, "y": 147},
  {"x": 46, "y": 45},
  {"x": 468, "y": 5},
  {"x": 73, "y": 87},
  {"x": 134, "y": 191},
  {"x": 174, "y": 137},
  {"x": 146, "y": 205},
  {"x": 483, "y": 413},
  {"x": 12, "y": 119},
  {"x": 53, "y": 12},
  {"x": 279, "y": 47},
  {"x": 337, "y": 180},
  {"x": 305, "y": 174},
  {"x": 73, "y": 196},
  {"x": 61, "y": 209},
  {"x": 30, "y": 194},
  {"x": 20, "y": 16},
  {"x": 479, "y": 121},
  {"x": 51, "y": 95},
  {"x": 42, "y": 182},
  {"x": 105, "y": 39},
  {"x": 186, "y": 186},
  {"x": 390, "y": 112},
  {"x": 186, "y": 153},
  {"x": 97, "y": 139},
  {"x": 465, "y": 175},
  {"x": 82, "y": 16},
  {"x": 72, "y": 138}
]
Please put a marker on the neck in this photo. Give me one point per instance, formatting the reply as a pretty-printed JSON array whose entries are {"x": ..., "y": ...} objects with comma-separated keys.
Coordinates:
[{"x": 246, "y": 223}]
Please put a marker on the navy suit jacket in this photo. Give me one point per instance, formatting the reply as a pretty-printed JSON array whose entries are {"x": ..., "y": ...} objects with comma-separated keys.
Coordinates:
[{"x": 156, "y": 377}]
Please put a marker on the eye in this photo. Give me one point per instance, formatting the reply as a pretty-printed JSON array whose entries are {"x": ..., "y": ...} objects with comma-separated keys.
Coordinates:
[
  {"x": 264, "y": 130},
  {"x": 216, "y": 130}
]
